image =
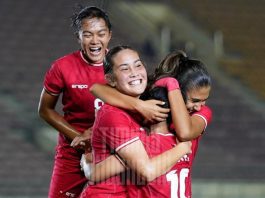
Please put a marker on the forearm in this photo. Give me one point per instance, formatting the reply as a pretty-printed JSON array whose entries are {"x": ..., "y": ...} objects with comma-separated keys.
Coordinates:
[
  {"x": 59, "y": 123},
  {"x": 46, "y": 110},
  {"x": 113, "y": 97},
  {"x": 187, "y": 127},
  {"x": 104, "y": 169},
  {"x": 164, "y": 162},
  {"x": 180, "y": 116},
  {"x": 148, "y": 109},
  {"x": 149, "y": 169}
]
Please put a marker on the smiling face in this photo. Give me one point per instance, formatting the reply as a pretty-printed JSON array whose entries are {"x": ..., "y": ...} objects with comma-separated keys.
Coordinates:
[
  {"x": 196, "y": 98},
  {"x": 129, "y": 74},
  {"x": 94, "y": 37}
]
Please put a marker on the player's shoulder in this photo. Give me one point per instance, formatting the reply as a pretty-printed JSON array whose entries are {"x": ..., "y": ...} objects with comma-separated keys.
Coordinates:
[
  {"x": 113, "y": 117},
  {"x": 70, "y": 56},
  {"x": 205, "y": 112},
  {"x": 113, "y": 113},
  {"x": 67, "y": 59},
  {"x": 207, "y": 108}
]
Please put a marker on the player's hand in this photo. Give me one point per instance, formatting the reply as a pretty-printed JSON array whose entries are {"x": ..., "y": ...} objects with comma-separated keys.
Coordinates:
[
  {"x": 152, "y": 112},
  {"x": 85, "y": 163},
  {"x": 167, "y": 82},
  {"x": 83, "y": 141},
  {"x": 85, "y": 159},
  {"x": 82, "y": 162}
]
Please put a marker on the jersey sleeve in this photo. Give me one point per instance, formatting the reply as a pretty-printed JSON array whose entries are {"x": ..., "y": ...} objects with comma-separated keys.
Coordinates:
[
  {"x": 53, "y": 81},
  {"x": 118, "y": 130},
  {"x": 206, "y": 114}
]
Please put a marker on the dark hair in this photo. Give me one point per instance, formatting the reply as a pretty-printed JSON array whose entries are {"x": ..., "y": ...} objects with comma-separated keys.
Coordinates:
[
  {"x": 158, "y": 93},
  {"x": 88, "y": 13},
  {"x": 190, "y": 73},
  {"x": 108, "y": 60}
]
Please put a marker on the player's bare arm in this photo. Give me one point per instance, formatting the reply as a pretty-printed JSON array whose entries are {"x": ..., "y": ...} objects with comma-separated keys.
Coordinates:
[
  {"x": 180, "y": 115},
  {"x": 148, "y": 109},
  {"x": 147, "y": 168},
  {"x": 47, "y": 111},
  {"x": 83, "y": 140},
  {"x": 187, "y": 127},
  {"x": 103, "y": 170}
]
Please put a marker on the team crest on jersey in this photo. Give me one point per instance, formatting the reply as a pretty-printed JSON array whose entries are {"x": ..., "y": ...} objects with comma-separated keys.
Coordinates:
[
  {"x": 79, "y": 86},
  {"x": 98, "y": 103}
]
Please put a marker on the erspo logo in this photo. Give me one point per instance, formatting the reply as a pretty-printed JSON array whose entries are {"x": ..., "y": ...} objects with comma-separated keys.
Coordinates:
[{"x": 79, "y": 86}]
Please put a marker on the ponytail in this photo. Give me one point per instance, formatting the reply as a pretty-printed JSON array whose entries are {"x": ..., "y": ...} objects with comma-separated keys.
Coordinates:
[
  {"x": 190, "y": 73},
  {"x": 169, "y": 66}
]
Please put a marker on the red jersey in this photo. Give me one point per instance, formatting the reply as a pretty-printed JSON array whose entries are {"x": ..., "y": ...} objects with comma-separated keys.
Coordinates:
[
  {"x": 206, "y": 114},
  {"x": 173, "y": 183},
  {"x": 113, "y": 129},
  {"x": 176, "y": 183},
  {"x": 72, "y": 75}
]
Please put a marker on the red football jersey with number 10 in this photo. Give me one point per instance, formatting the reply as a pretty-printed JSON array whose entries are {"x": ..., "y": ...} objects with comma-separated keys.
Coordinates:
[{"x": 176, "y": 183}]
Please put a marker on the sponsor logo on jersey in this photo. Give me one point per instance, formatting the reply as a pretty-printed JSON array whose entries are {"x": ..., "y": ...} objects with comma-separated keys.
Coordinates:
[{"x": 76, "y": 86}]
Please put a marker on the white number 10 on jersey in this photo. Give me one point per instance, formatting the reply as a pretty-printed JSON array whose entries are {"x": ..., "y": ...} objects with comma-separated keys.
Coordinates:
[{"x": 177, "y": 182}]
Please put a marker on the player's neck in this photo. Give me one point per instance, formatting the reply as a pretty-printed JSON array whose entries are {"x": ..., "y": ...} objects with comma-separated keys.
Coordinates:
[
  {"x": 160, "y": 127},
  {"x": 88, "y": 60}
]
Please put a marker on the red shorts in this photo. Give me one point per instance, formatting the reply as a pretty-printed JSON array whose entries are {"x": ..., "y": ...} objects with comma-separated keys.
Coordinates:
[{"x": 67, "y": 180}]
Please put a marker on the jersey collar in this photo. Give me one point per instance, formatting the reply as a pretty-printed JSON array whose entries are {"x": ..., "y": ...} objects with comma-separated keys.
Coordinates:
[{"x": 92, "y": 64}]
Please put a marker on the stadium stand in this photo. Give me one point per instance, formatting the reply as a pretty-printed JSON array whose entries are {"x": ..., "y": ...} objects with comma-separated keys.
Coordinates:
[
  {"x": 25, "y": 168},
  {"x": 242, "y": 25}
]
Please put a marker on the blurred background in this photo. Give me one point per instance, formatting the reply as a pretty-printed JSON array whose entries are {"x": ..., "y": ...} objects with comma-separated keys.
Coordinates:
[{"x": 228, "y": 36}]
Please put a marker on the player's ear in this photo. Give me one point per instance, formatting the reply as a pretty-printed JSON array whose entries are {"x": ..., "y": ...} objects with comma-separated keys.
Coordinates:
[
  {"x": 78, "y": 36},
  {"x": 110, "y": 80},
  {"x": 110, "y": 35}
]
